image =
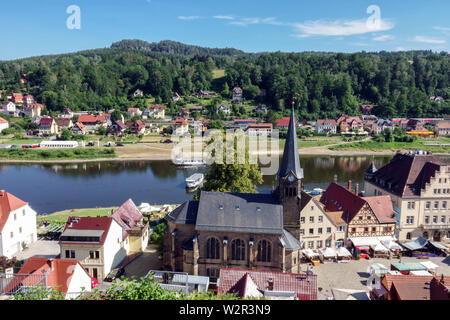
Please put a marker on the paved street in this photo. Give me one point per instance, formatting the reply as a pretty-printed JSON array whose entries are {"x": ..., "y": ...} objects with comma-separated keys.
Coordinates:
[
  {"x": 41, "y": 248},
  {"x": 145, "y": 262},
  {"x": 353, "y": 275}
]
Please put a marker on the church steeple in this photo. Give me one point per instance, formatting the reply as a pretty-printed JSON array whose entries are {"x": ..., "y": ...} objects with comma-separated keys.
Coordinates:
[{"x": 291, "y": 161}]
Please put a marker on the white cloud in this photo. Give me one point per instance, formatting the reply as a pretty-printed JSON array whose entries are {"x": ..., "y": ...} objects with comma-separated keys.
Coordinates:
[
  {"x": 442, "y": 29},
  {"x": 385, "y": 37},
  {"x": 424, "y": 39},
  {"x": 224, "y": 17},
  {"x": 246, "y": 21},
  {"x": 339, "y": 28},
  {"x": 188, "y": 17}
]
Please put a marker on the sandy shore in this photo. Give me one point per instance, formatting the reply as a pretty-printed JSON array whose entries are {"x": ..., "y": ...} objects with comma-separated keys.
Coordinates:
[{"x": 152, "y": 152}]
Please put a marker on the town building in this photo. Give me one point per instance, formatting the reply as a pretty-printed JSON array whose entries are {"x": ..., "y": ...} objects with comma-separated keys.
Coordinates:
[
  {"x": 176, "y": 97},
  {"x": 9, "y": 108},
  {"x": 48, "y": 126},
  {"x": 33, "y": 110},
  {"x": 243, "y": 123},
  {"x": 350, "y": 124},
  {"x": 17, "y": 224},
  {"x": 118, "y": 128},
  {"x": 67, "y": 113},
  {"x": 442, "y": 128},
  {"x": 134, "y": 112},
  {"x": 155, "y": 112},
  {"x": 136, "y": 127},
  {"x": 138, "y": 93},
  {"x": 4, "y": 124},
  {"x": 67, "y": 276},
  {"x": 327, "y": 126},
  {"x": 419, "y": 186},
  {"x": 366, "y": 109},
  {"x": 225, "y": 108},
  {"x": 92, "y": 122},
  {"x": 180, "y": 126},
  {"x": 28, "y": 99},
  {"x": 282, "y": 123},
  {"x": 17, "y": 98},
  {"x": 78, "y": 128},
  {"x": 259, "y": 129},
  {"x": 100, "y": 244},
  {"x": 238, "y": 95},
  {"x": 269, "y": 285},
  {"x": 64, "y": 123},
  {"x": 239, "y": 230}
]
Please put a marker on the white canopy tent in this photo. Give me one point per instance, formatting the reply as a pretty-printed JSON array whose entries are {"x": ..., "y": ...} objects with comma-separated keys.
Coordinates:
[
  {"x": 310, "y": 254},
  {"x": 430, "y": 266},
  {"x": 379, "y": 248},
  {"x": 146, "y": 207},
  {"x": 420, "y": 273},
  {"x": 328, "y": 252},
  {"x": 343, "y": 252},
  {"x": 391, "y": 245}
]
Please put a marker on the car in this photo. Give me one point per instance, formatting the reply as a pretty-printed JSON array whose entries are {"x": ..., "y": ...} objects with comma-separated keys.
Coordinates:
[
  {"x": 94, "y": 282},
  {"x": 115, "y": 274},
  {"x": 119, "y": 144},
  {"x": 167, "y": 141}
]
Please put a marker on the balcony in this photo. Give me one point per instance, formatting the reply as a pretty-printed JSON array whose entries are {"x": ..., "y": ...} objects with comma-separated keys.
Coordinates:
[{"x": 436, "y": 226}]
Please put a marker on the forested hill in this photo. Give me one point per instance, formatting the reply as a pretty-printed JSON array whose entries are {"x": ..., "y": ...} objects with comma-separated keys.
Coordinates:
[
  {"x": 324, "y": 84},
  {"x": 173, "y": 47}
]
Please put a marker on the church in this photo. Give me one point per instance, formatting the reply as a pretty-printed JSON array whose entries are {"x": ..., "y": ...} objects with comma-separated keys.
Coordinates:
[{"x": 240, "y": 230}]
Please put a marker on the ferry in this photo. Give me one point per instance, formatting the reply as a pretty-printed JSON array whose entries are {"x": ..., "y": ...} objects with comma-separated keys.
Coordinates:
[
  {"x": 195, "y": 180},
  {"x": 189, "y": 162}
]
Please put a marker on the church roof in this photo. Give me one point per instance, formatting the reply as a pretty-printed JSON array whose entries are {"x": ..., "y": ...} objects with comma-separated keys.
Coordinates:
[
  {"x": 291, "y": 161},
  {"x": 184, "y": 214},
  {"x": 240, "y": 212},
  {"x": 289, "y": 242}
]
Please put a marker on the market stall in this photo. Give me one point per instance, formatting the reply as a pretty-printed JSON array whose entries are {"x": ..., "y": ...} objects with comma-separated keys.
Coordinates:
[
  {"x": 311, "y": 256},
  {"x": 431, "y": 267},
  {"x": 379, "y": 251},
  {"x": 422, "y": 247},
  {"x": 328, "y": 255},
  {"x": 406, "y": 268},
  {"x": 343, "y": 255},
  {"x": 393, "y": 247}
]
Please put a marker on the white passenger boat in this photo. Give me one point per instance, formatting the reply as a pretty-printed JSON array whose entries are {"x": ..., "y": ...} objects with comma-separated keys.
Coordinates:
[
  {"x": 189, "y": 162},
  {"x": 195, "y": 180}
]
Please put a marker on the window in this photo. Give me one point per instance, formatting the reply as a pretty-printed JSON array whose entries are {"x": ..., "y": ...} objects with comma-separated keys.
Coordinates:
[
  {"x": 427, "y": 205},
  {"x": 302, "y": 220},
  {"x": 320, "y": 218},
  {"x": 444, "y": 205},
  {"x": 436, "y": 205},
  {"x": 319, "y": 230},
  {"x": 12, "y": 235},
  {"x": 212, "y": 249},
  {"x": 311, "y": 231},
  {"x": 264, "y": 251},
  {"x": 15, "y": 216},
  {"x": 410, "y": 220},
  {"x": 369, "y": 217},
  {"x": 237, "y": 249},
  {"x": 70, "y": 254},
  {"x": 94, "y": 272},
  {"x": 408, "y": 236},
  {"x": 312, "y": 208},
  {"x": 91, "y": 255},
  {"x": 213, "y": 273},
  {"x": 340, "y": 228},
  {"x": 434, "y": 219},
  {"x": 442, "y": 219},
  {"x": 20, "y": 229},
  {"x": 353, "y": 229},
  {"x": 97, "y": 254},
  {"x": 327, "y": 243},
  {"x": 328, "y": 230},
  {"x": 23, "y": 212},
  {"x": 374, "y": 229},
  {"x": 427, "y": 219},
  {"x": 319, "y": 244},
  {"x": 366, "y": 229},
  {"x": 311, "y": 219},
  {"x": 360, "y": 217},
  {"x": 302, "y": 231},
  {"x": 311, "y": 244},
  {"x": 411, "y": 205}
]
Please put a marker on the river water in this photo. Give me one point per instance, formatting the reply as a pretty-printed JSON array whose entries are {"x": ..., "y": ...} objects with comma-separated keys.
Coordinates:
[{"x": 54, "y": 187}]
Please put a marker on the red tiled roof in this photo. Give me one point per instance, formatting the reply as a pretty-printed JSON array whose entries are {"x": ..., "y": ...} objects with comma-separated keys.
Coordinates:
[
  {"x": 156, "y": 107},
  {"x": 59, "y": 272},
  {"x": 127, "y": 215},
  {"x": 46, "y": 121},
  {"x": 3, "y": 120},
  {"x": 260, "y": 126},
  {"x": 410, "y": 287},
  {"x": 283, "y": 122},
  {"x": 322, "y": 121},
  {"x": 133, "y": 109},
  {"x": 234, "y": 280},
  {"x": 80, "y": 126},
  {"x": 89, "y": 223},
  {"x": 338, "y": 198},
  {"x": 180, "y": 121},
  {"x": 382, "y": 208},
  {"x": 8, "y": 203},
  {"x": 244, "y": 120},
  {"x": 34, "y": 106},
  {"x": 63, "y": 122},
  {"x": 87, "y": 118}
]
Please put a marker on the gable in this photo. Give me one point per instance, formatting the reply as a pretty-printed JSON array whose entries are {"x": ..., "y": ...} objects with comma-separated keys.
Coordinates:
[{"x": 364, "y": 216}]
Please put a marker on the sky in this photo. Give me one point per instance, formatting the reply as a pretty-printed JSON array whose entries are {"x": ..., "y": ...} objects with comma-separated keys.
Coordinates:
[{"x": 54, "y": 26}]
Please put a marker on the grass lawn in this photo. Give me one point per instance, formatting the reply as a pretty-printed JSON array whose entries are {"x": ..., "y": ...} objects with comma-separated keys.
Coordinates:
[
  {"x": 61, "y": 217},
  {"x": 393, "y": 146},
  {"x": 21, "y": 141},
  {"x": 314, "y": 142},
  {"x": 56, "y": 154},
  {"x": 218, "y": 73}
]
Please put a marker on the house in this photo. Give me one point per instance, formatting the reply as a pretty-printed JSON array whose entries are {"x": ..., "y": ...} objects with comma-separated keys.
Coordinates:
[
  {"x": 136, "y": 127},
  {"x": 4, "y": 124},
  {"x": 419, "y": 186},
  {"x": 199, "y": 127},
  {"x": 9, "y": 107},
  {"x": 64, "y": 123},
  {"x": 319, "y": 228},
  {"x": 382, "y": 125},
  {"x": 33, "y": 110},
  {"x": 176, "y": 97},
  {"x": 67, "y": 276},
  {"x": 261, "y": 108},
  {"x": 412, "y": 287},
  {"x": 180, "y": 126},
  {"x": 246, "y": 230},
  {"x": 78, "y": 128},
  {"x": 268, "y": 284},
  {"x": 437, "y": 99},
  {"x": 138, "y": 93},
  {"x": 100, "y": 244},
  {"x": 225, "y": 108},
  {"x": 366, "y": 217},
  {"x": 134, "y": 112},
  {"x": 155, "y": 112},
  {"x": 48, "y": 126},
  {"x": 184, "y": 113},
  {"x": 326, "y": 126},
  {"x": 17, "y": 98},
  {"x": 282, "y": 123},
  {"x": 93, "y": 122},
  {"x": 132, "y": 221},
  {"x": 118, "y": 128},
  {"x": 243, "y": 123},
  {"x": 366, "y": 109},
  {"x": 67, "y": 113},
  {"x": 350, "y": 124},
  {"x": 259, "y": 129},
  {"x": 443, "y": 128},
  {"x": 28, "y": 99},
  {"x": 196, "y": 108},
  {"x": 237, "y": 94},
  {"x": 17, "y": 224}
]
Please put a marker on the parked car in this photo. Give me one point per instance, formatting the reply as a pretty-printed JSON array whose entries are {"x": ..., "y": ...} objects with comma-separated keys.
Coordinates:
[
  {"x": 167, "y": 141},
  {"x": 115, "y": 274},
  {"x": 90, "y": 144},
  {"x": 119, "y": 144},
  {"x": 94, "y": 282}
]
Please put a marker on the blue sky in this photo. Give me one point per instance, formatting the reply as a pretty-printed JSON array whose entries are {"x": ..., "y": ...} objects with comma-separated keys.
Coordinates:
[{"x": 250, "y": 25}]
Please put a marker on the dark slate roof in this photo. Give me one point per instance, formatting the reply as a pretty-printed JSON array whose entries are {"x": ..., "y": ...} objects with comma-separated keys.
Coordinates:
[
  {"x": 289, "y": 242},
  {"x": 291, "y": 160},
  {"x": 186, "y": 213},
  {"x": 240, "y": 212}
]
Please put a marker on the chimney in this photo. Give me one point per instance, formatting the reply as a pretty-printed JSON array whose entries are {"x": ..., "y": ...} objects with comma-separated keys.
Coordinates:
[
  {"x": 270, "y": 284},
  {"x": 349, "y": 185},
  {"x": 335, "y": 178},
  {"x": 357, "y": 189},
  {"x": 442, "y": 279}
]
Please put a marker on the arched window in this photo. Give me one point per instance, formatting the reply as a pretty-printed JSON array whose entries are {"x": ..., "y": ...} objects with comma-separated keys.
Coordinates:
[
  {"x": 237, "y": 249},
  {"x": 212, "y": 249},
  {"x": 264, "y": 251},
  {"x": 408, "y": 236}
]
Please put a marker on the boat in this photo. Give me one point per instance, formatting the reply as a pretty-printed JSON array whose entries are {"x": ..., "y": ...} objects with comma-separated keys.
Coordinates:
[
  {"x": 195, "y": 180},
  {"x": 189, "y": 162}
]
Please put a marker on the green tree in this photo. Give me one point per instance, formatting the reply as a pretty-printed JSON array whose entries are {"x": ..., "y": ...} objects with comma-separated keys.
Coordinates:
[{"x": 66, "y": 135}]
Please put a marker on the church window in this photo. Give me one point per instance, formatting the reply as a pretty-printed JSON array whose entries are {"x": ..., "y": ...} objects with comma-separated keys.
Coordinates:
[
  {"x": 264, "y": 251},
  {"x": 237, "y": 249},
  {"x": 213, "y": 249}
]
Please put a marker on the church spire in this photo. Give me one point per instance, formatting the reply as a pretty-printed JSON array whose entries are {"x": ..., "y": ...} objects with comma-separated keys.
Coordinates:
[{"x": 291, "y": 161}]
